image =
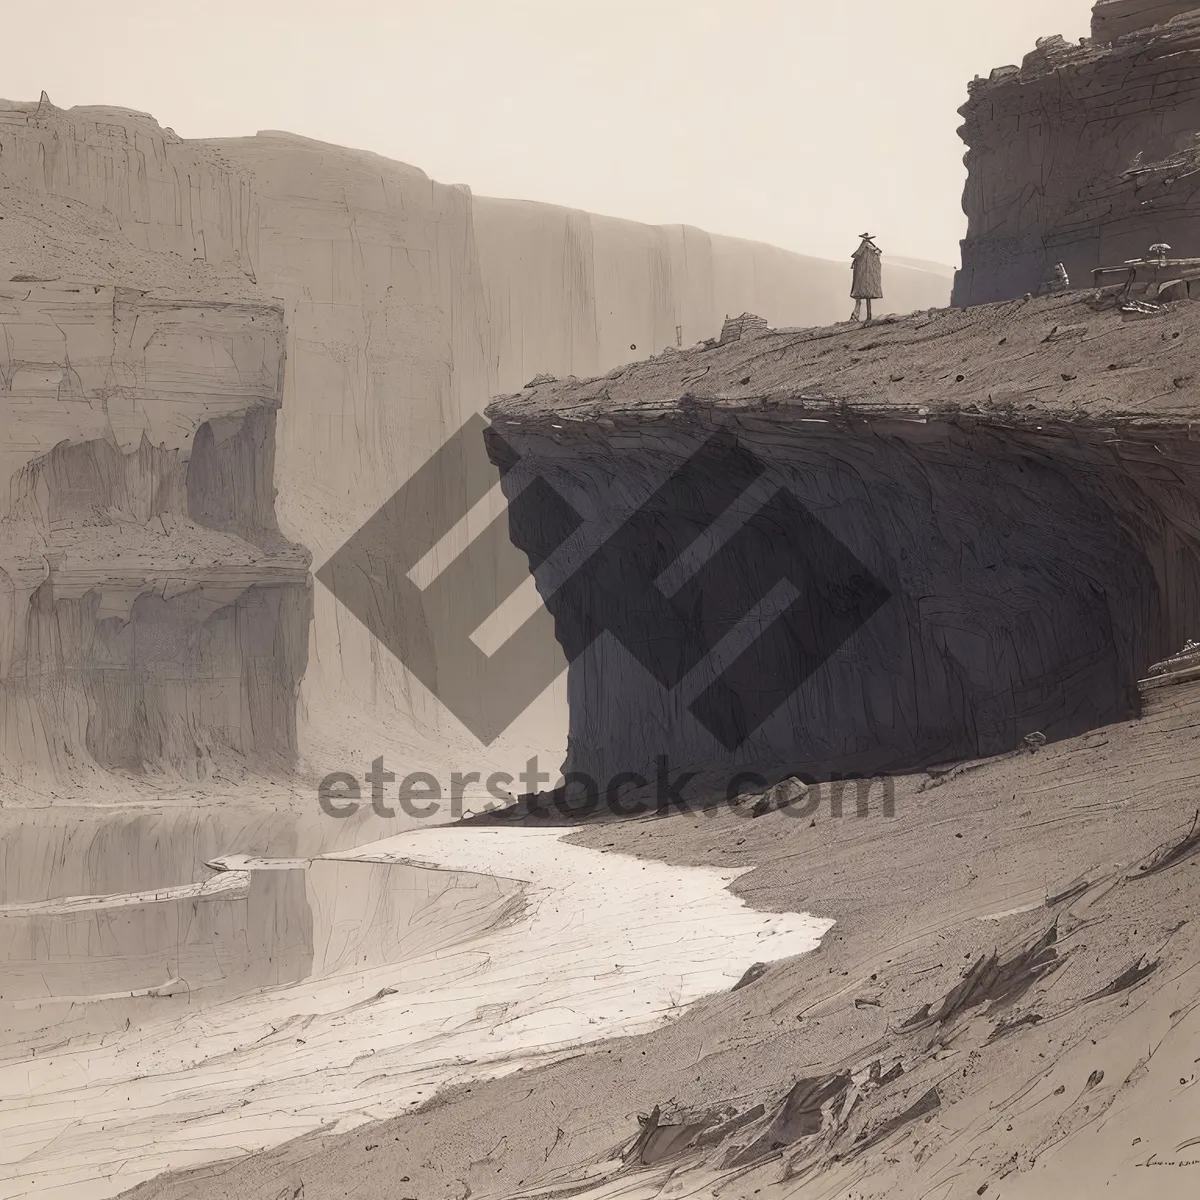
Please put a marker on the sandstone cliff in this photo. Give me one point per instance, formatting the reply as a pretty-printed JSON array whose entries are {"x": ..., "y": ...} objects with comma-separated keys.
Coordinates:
[
  {"x": 405, "y": 305},
  {"x": 150, "y": 609},
  {"x": 1084, "y": 154}
]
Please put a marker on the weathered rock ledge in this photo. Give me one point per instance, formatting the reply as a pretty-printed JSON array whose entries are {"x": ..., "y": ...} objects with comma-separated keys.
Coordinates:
[
  {"x": 1021, "y": 480},
  {"x": 1115, "y": 19}
]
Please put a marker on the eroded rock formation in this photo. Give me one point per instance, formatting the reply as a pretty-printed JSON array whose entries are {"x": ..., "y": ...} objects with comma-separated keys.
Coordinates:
[
  {"x": 406, "y": 305},
  {"x": 983, "y": 523},
  {"x": 151, "y": 613},
  {"x": 1084, "y": 154}
]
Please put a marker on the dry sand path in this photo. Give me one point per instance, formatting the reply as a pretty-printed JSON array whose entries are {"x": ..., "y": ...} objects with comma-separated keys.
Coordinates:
[{"x": 606, "y": 944}]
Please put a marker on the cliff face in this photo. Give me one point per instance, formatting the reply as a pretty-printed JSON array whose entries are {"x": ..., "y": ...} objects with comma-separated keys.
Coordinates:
[
  {"x": 406, "y": 304},
  {"x": 150, "y": 610},
  {"x": 919, "y": 541},
  {"x": 1085, "y": 154}
]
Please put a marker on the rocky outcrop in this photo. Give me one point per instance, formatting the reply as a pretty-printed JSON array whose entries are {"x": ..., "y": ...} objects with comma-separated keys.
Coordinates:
[
  {"x": 1173, "y": 682},
  {"x": 407, "y": 304},
  {"x": 151, "y": 613},
  {"x": 1113, "y": 19},
  {"x": 919, "y": 541},
  {"x": 1084, "y": 154}
]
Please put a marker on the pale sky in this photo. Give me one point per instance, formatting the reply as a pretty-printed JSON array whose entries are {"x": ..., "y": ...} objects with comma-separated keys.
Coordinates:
[{"x": 795, "y": 122}]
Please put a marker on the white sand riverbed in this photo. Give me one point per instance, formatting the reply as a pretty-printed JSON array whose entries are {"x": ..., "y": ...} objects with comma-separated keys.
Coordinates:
[{"x": 607, "y": 944}]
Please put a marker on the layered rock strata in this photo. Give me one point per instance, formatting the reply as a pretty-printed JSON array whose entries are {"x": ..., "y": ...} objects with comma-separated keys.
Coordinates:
[
  {"x": 1084, "y": 155},
  {"x": 151, "y": 613},
  {"x": 922, "y": 540},
  {"x": 1113, "y": 19}
]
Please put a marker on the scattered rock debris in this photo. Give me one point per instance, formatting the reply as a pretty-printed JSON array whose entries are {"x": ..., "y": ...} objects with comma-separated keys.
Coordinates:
[
  {"x": 782, "y": 795},
  {"x": 1166, "y": 857},
  {"x": 991, "y": 981},
  {"x": 1126, "y": 980},
  {"x": 753, "y": 973}
]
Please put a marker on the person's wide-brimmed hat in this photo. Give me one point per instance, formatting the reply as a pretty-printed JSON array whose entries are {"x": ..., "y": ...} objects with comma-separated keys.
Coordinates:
[{"x": 867, "y": 237}]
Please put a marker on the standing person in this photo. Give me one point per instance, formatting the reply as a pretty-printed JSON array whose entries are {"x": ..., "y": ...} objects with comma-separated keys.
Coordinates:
[{"x": 867, "y": 283}]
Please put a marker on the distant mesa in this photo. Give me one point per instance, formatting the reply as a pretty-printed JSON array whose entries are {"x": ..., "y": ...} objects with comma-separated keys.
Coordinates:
[{"x": 1085, "y": 154}]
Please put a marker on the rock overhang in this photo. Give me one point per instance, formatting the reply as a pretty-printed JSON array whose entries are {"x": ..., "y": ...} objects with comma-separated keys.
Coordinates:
[{"x": 1021, "y": 478}]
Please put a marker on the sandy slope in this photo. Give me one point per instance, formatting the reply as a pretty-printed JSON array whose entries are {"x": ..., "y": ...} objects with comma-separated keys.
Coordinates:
[{"x": 1057, "y": 1089}]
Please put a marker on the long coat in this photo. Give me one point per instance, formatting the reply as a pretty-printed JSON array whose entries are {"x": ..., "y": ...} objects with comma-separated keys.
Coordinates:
[{"x": 867, "y": 283}]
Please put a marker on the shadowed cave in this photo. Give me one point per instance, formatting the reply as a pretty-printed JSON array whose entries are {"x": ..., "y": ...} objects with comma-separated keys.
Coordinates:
[{"x": 949, "y": 587}]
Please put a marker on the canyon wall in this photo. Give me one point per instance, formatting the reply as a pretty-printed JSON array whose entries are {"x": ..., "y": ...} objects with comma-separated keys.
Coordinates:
[
  {"x": 866, "y": 550},
  {"x": 570, "y": 293},
  {"x": 405, "y": 303},
  {"x": 1084, "y": 154},
  {"x": 150, "y": 609}
]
